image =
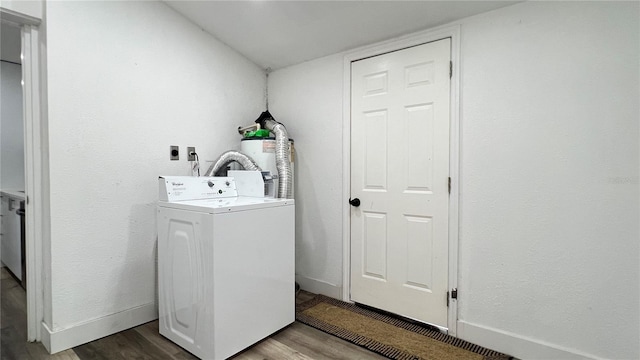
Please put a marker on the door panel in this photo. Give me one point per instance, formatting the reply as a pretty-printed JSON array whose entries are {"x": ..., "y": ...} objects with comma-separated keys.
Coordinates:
[
  {"x": 419, "y": 247},
  {"x": 375, "y": 165},
  {"x": 419, "y": 162},
  {"x": 399, "y": 171},
  {"x": 375, "y": 248}
]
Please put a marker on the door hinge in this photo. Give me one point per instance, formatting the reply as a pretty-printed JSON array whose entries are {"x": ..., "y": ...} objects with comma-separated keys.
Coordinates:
[
  {"x": 449, "y": 185},
  {"x": 450, "y": 69}
]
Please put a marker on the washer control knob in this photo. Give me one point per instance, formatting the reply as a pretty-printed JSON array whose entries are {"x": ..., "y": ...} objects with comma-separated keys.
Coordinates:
[
  {"x": 210, "y": 183},
  {"x": 227, "y": 183}
]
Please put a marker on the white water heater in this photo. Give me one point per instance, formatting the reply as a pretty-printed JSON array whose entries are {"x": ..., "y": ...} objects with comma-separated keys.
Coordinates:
[{"x": 263, "y": 151}]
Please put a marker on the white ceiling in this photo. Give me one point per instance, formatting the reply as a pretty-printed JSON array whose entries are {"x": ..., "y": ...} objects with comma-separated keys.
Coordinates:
[
  {"x": 275, "y": 34},
  {"x": 10, "y": 43}
]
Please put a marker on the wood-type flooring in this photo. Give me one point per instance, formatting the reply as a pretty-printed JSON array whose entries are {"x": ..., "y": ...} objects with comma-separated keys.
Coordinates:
[{"x": 297, "y": 341}]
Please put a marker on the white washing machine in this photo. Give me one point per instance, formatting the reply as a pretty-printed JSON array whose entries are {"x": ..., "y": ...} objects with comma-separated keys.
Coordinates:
[{"x": 225, "y": 265}]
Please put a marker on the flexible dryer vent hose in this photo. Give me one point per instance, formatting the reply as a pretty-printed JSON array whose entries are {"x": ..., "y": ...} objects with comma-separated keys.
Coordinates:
[
  {"x": 283, "y": 162},
  {"x": 228, "y": 157}
]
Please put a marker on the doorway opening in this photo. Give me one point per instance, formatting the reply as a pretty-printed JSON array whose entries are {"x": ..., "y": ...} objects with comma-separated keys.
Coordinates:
[
  {"x": 12, "y": 169},
  {"x": 31, "y": 186}
]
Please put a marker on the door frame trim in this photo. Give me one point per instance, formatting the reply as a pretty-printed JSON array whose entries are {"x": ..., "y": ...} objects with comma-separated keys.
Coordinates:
[{"x": 414, "y": 39}]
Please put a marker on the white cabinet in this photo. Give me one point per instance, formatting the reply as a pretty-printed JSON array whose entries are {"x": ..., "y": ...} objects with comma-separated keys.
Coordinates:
[{"x": 11, "y": 248}]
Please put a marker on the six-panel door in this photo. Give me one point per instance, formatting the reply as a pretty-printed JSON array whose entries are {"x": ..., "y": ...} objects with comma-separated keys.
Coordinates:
[{"x": 399, "y": 170}]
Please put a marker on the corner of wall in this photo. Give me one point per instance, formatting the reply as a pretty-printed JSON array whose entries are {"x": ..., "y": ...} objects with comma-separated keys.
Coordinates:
[
  {"x": 45, "y": 336},
  {"x": 319, "y": 287}
]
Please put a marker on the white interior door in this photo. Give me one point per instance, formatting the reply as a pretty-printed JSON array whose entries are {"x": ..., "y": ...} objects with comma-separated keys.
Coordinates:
[{"x": 399, "y": 172}]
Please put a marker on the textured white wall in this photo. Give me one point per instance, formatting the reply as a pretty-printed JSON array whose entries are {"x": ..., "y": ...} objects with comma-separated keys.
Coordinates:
[
  {"x": 549, "y": 174},
  {"x": 317, "y": 130},
  {"x": 549, "y": 191},
  {"x": 125, "y": 81},
  {"x": 11, "y": 128}
]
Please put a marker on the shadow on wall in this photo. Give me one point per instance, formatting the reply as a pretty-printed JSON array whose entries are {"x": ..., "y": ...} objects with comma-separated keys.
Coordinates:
[
  {"x": 135, "y": 280},
  {"x": 308, "y": 217}
]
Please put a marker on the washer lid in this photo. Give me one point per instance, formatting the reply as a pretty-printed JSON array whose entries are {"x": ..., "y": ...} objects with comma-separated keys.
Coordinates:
[{"x": 225, "y": 205}]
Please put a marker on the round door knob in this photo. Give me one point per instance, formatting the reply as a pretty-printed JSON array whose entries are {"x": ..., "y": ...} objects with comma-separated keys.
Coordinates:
[{"x": 354, "y": 202}]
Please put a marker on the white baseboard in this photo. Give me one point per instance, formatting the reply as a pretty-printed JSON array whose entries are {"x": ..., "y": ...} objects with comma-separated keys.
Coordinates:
[
  {"x": 59, "y": 340},
  {"x": 319, "y": 287},
  {"x": 516, "y": 345}
]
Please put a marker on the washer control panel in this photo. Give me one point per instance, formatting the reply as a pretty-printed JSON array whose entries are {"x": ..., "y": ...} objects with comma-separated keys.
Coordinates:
[{"x": 181, "y": 188}]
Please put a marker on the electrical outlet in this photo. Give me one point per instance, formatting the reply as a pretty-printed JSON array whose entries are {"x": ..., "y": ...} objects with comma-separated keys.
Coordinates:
[
  {"x": 191, "y": 150},
  {"x": 174, "y": 152}
]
